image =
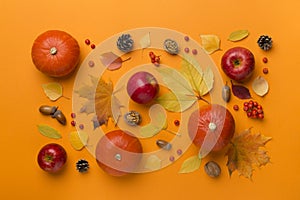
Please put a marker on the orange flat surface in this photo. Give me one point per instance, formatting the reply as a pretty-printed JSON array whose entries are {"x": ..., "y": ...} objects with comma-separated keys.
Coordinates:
[{"x": 21, "y": 95}]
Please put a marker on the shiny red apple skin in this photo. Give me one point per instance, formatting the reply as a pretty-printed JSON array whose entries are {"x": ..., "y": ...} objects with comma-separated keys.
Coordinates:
[
  {"x": 142, "y": 87},
  {"x": 238, "y": 63},
  {"x": 52, "y": 157}
]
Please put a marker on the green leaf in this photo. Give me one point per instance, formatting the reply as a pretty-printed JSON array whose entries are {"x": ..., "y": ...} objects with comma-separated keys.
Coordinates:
[
  {"x": 210, "y": 43},
  {"x": 48, "y": 131},
  {"x": 238, "y": 35},
  {"x": 191, "y": 164},
  {"x": 158, "y": 122},
  {"x": 52, "y": 90},
  {"x": 201, "y": 81},
  {"x": 174, "y": 103}
]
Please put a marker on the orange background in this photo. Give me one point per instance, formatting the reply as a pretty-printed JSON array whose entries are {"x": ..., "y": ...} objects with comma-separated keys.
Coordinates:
[{"x": 21, "y": 95}]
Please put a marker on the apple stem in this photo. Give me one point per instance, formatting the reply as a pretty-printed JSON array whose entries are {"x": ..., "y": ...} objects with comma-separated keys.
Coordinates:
[{"x": 118, "y": 157}]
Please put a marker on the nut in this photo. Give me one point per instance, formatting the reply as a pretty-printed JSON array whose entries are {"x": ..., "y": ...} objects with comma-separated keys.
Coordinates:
[{"x": 212, "y": 169}]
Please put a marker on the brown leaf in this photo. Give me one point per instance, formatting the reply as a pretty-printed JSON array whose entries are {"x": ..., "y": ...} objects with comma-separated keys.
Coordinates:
[
  {"x": 240, "y": 91},
  {"x": 103, "y": 101},
  {"x": 246, "y": 152},
  {"x": 111, "y": 61}
]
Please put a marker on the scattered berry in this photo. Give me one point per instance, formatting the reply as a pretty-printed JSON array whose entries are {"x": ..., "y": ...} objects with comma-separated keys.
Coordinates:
[
  {"x": 91, "y": 63},
  {"x": 194, "y": 51},
  {"x": 171, "y": 158},
  {"x": 82, "y": 165},
  {"x": 176, "y": 122},
  {"x": 73, "y": 115},
  {"x": 87, "y": 42},
  {"x": 236, "y": 107},
  {"x": 93, "y": 46},
  {"x": 265, "y": 60},
  {"x": 265, "y": 70},
  {"x": 186, "y": 50},
  {"x": 73, "y": 123},
  {"x": 179, "y": 152},
  {"x": 253, "y": 110},
  {"x": 81, "y": 126},
  {"x": 186, "y": 38}
]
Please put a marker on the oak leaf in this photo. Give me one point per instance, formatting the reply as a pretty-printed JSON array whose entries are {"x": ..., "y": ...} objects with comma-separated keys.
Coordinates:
[{"x": 246, "y": 151}]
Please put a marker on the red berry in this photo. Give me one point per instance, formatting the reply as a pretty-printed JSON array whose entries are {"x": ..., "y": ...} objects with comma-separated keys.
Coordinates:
[
  {"x": 156, "y": 64},
  {"x": 254, "y": 112},
  {"x": 73, "y": 115},
  {"x": 176, "y": 122},
  {"x": 255, "y": 104},
  {"x": 81, "y": 126},
  {"x": 265, "y": 60},
  {"x": 265, "y": 70},
  {"x": 250, "y": 102},
  {"x": 194, "y": 51},
  {"x": 186, "y": 50},
  {"x": 249, "y": 114},
  {"x": 261, "y": 116},
  {"x": 73, "y": 123},
  {"x": 250, "y": 105},
  {"x": 246, "y": 108},
  {"x": 87, "y": 42},
  {"x": 93, "y": 46},
  {"x": 236, "y": 107},
  {"x": 151, "y": 54},
  {"x": 157, "y": 59},
  {"x": 259, "y": 107},
  {"x": 246, "y": 104}
]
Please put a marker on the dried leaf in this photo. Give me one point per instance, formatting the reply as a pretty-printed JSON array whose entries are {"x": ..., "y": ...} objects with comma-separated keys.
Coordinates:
[
  {"x": 238, "y": 35},
  {"x": 246, "y": 151},
  {"x": 145, "y": 41},
  {"x": 260, "y": 86},
  {"x": 158, "y": 122},
  {"x": 48, "y": 131},
  {"x": 111, "y": 61},
  {"x": 191, "y": 164},
  {"x": 210, "y": 43},
  {"x": 78, "y": 139},
  {"x": 201, "y": 81},
  {"x": 53, "y": 90},
  {"x": 240, "y": 91},
  {"x": 153, "y": 162}
]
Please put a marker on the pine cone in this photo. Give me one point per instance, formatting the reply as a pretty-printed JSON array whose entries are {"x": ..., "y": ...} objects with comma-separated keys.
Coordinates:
[
  {"x": 265, "y": 42},
  {"x": 125, "y": 43},
  {"x": 82, "y": 165}
]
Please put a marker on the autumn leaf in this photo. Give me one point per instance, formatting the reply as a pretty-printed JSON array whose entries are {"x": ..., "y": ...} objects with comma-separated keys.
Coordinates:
[
  {"x": 145, "y": 41},
  {"x": 48, "y": 131},
  {"x": 238, "y": 35},
  {"x": 190, "y": 165},
  {"x": 246, "y": 151},
  {"x": 158, "y": 122},
  {"x": 112, "y": 61},
  {"x": 53, "y": 90},
  {"x": 78, "y": 139},
  {"x": 201, "y": 81},
  {"x": 240, "y": 91},
  {"x": 260, "y": 86},
  {"x": 210, "y": 43},
  {"x": 153, "y": 162}
]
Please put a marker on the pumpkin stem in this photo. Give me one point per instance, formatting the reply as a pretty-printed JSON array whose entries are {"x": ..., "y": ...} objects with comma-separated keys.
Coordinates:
[
  {"x": 53, "y": 51},
  {"x": 212, "y": 126},
  {"x": 118, "y": 157}
]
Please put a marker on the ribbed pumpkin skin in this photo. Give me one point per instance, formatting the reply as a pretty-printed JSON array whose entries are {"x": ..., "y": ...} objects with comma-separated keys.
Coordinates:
[
  {"x": 55, "y": 53},
  {"x": 121, "y": 143}
]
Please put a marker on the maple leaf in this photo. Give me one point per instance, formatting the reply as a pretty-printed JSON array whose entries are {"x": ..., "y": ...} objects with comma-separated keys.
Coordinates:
[{"x": 246, "y": 152}]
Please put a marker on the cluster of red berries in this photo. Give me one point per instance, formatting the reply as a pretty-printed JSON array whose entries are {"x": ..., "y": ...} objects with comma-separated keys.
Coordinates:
[
  {"x": 154, "y": 59},
  {"x": 253, "y": 110}
]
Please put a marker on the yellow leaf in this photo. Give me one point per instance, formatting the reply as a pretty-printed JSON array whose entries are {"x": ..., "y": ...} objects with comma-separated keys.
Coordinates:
[
  {"x": 48, "y": 131},
  {"x": 52, "y": 90},
  {"x": 191, "y": 164},
  {"x": 238, "y": 35},
  {"x": 260, "y": 86},
  {"x": 78, "y": 139},
  {"x": 153, "y": 163},
  {"x": 174, "y": 103},
  {"x": 246, "y": 151},
  {"x": 210, "y": 43},
  {"x": 201, "y": 81},
  {"x": 145, "y": 41}
]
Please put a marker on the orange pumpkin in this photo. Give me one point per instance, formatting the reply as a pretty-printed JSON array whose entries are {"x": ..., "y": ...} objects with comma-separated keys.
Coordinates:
[
  {"x": 55, "y": 53},
  {"x": 118, "y": 153},
  {"x": 212, "y": 123}
]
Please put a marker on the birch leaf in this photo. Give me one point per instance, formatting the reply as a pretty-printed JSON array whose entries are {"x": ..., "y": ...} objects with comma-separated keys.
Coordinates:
[
  {"x": 190, "y": 165},
  {"x": 210, "y": 43},
  {"x": 48, "y": 131},
  {"x": 153, "y": 162},
  {"x": 260, "y": 86},
  {"x": 246, "y": 151},
  {"x": 111, "y": 61},
  {"x": 78, "y": 139},
  {"x": 201, "y": 81},
  {"x": 238, "y": 35},
  {"x": 145, "y": 41},
  {"x": 158, "y": 122},
  {"x": 52, "y": 90}
]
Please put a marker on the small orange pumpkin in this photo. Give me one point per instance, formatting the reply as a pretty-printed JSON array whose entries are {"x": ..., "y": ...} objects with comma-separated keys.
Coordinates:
[
  {"x": 118, "y": 153},
  {"x": 55, "y": 53}
]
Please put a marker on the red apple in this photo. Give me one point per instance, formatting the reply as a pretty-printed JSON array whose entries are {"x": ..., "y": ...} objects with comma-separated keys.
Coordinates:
[
  {"x": 52, "y": 157},
  {"x": 238, "y": 63},
  {"x": 213, "y": 123},
  {"x": 118, "y": 153},
  {"x": 142, "y": 87}
]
